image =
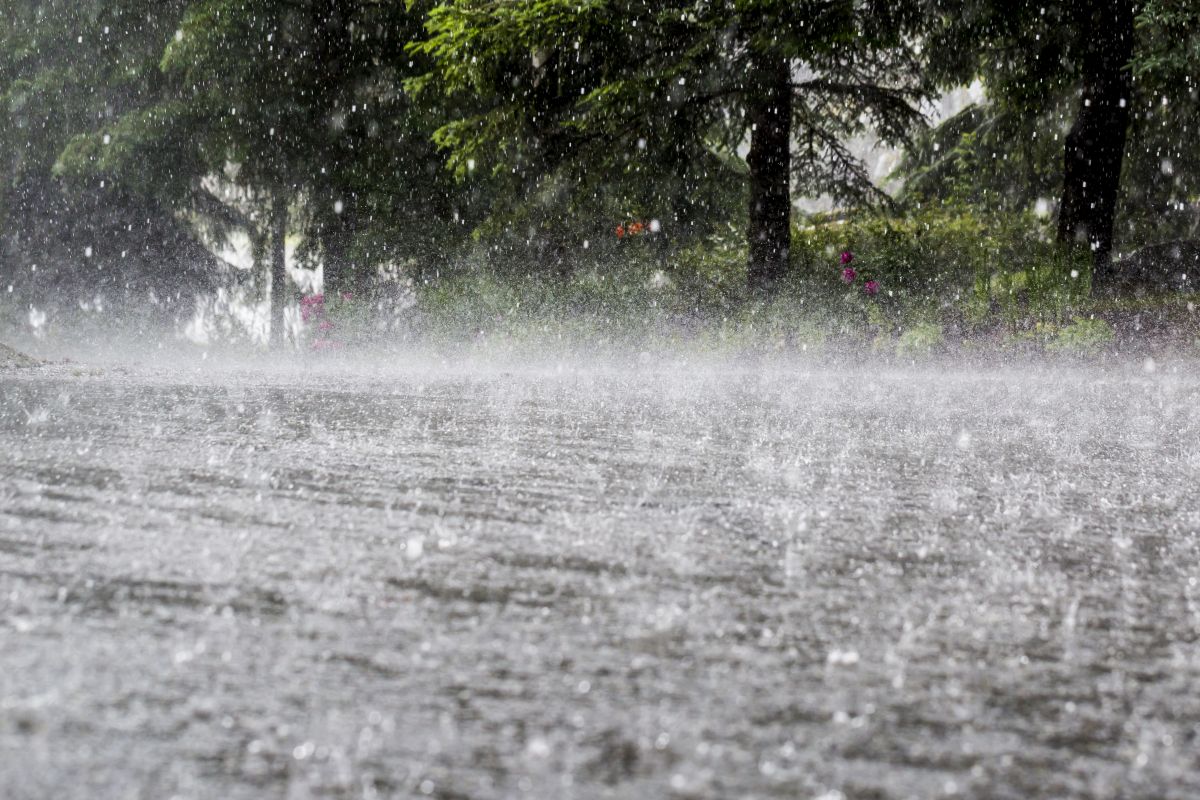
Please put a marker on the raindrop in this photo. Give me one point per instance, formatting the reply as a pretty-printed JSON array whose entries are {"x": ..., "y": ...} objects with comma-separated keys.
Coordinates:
[
  {"x": 414, "y": 548},
  {"x": 846, "y": 658}
]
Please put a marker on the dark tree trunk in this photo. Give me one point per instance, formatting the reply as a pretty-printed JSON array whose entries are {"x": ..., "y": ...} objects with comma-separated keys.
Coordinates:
[
  {"x": 769, "y": 108},
  {"x": 1095, "y": 146},
  {"x": 337, "y": 238},
  {"x": 332, "y": 25},
  {"x": 279, "y": 222}
]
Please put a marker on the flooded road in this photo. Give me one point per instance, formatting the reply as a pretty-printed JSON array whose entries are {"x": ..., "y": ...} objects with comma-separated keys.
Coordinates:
[{"x": 661, "y": 581}]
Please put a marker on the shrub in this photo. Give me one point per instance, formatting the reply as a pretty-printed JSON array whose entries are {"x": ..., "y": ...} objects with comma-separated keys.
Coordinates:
[
  {"x": 920, "y": 339},
  {"x": 1082, "y": 337}
]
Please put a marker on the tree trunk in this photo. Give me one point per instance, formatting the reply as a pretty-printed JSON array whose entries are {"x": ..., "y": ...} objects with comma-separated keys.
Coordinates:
[
  {"x": 337, "y": 238},
  {"x": 1095, "y": 146},
  {"x": 279, "y": 223},
  {"x": 769, "y": 108},
  {"x": 333, "y": 38}
]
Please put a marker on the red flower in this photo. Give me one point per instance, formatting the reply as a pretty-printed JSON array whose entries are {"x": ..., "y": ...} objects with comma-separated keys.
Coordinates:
[
  {"x": 871, "y": 288},
  {"x": 636, "y": 228},
  {"x": 847, "y": 257},
  {"x": 620, "y": 231},
  {"x": 849, "y": 274}
]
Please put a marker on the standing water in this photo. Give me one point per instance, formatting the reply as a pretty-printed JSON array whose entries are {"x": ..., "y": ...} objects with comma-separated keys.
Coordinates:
[{"x": 665, "y": 581}]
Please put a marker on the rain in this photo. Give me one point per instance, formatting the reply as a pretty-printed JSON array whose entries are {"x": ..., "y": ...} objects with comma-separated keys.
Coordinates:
[{"x": 604, "y": 399}]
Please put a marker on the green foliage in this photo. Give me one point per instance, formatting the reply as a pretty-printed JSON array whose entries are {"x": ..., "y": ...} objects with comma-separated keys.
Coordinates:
[
  {"x": 947, "y": 267},
  {"x": 1173, "y": 46},
  {"x": 302, "y": 99},
  {"x": 67, "y": 70},
  {"x": 1082, "y": 337},
  {"x": 988, "y": 157},
  {"x": 1036, "y": 290},
  {"x": 921, "y": 339},
  {"x": 66, "y": 64},
  {"x": 1007, "y": 154},
  {"x": 947, "y": 278},
  {"x": 1162, "y": 179},
  {"x": 646, "y": 104},
  {"x": 713, "y": 271},
  {"x": 491, "y": 147},
  {"x": 930, "y": 256}
]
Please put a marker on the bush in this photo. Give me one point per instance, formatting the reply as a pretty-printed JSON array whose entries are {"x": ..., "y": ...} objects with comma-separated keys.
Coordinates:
[
  {"x": 1082, "y": 337},
  {"x": 920, "y": 339},
  {"x": 713, "y": 271},
  {"x": 948, "y": 264}
]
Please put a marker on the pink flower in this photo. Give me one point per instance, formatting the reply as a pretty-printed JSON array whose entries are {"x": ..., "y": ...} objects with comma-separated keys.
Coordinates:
[
  {"x": 325, "y": 325},
  {"x": 849, "y": 274},
  {"x": 871, "y": 288},
  {"x": 847, "y": 257},
  {"x": 347, "y": 295},
  {"x": 311, "y": 306}
]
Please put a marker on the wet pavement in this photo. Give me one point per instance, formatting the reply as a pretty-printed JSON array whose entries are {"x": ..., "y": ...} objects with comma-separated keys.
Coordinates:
[{"x": 666, "y": 580}]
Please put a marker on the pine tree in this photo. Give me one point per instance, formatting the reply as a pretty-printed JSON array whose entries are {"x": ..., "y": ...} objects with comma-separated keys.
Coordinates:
[
  {"x": 67, "y": 70},
  {"x": 1087, "y": 102},
  {"x": 297, "y": 108},
  {"x": 630, "y": 89}
]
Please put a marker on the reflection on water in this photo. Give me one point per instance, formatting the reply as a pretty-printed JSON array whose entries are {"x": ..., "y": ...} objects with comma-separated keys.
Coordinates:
[{"x": 686, "y": 583}]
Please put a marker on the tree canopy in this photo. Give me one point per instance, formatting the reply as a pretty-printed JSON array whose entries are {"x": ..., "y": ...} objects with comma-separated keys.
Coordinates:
[
  {"x": 658, "y": 102},
  {"x": 371, "y": 135},
  {"x": 1039, "y": 65}
]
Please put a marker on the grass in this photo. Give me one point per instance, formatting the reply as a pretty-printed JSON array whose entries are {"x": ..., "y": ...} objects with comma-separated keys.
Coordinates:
[
  {"x": 951, "y": 283},
  {"x": 948, "y": 285}
]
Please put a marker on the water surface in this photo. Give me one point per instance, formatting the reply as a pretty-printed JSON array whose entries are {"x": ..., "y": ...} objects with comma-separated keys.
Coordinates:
[{"x": 704, "y": 581}]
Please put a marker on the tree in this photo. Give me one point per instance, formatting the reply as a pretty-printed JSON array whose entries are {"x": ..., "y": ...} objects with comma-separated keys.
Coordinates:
[
  {"x": 1114, "y": 78},
  {"x": 67, "y": 69},
  {"x": 1094, "y": 150},
  {"x": 630, "y": 89},
  {"x": 1050, "y": 69},
  {"x": 1164, "y": 174},
  {"x": 297, "y": 106}
]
